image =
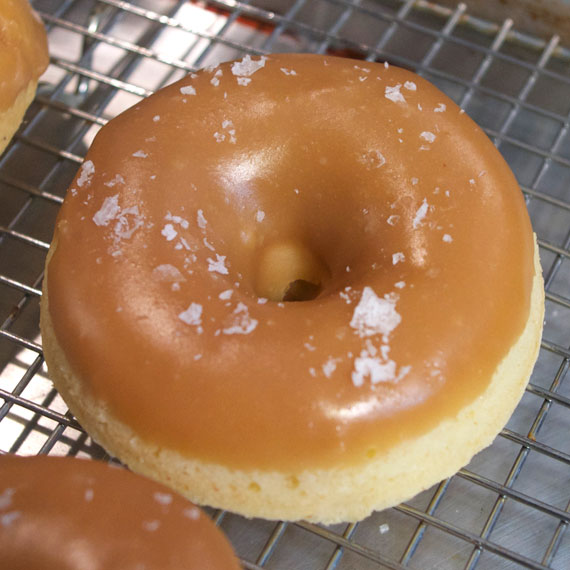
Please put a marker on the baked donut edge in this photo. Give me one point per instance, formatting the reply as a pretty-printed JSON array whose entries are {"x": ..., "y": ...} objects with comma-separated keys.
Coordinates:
[{"x": 11, "y": 118}]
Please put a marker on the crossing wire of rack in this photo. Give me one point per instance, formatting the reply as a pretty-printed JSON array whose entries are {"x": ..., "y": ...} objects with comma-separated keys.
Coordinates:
[{"x": 510, "y": 507}]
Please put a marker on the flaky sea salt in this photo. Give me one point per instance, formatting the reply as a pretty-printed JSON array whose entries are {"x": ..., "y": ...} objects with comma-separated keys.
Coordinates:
[
  {"x": 420, "y": 214},
  {"x": 247, "y": 66},
  {"x": 398, "y": 257},
  {"x": 192, "y": 315},
  {"x": 375, "y": 315},
  {"x": 393, "y": 93},
  {"x": 87, "y": 171},
  {"x": 241, "y": 322},
  {"x": 219, "y": 265}
]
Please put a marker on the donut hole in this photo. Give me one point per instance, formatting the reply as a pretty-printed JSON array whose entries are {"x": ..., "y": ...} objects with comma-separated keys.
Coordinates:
[
  {"x": 289, "y": 271},
  {"x": 301, "y": 290}
]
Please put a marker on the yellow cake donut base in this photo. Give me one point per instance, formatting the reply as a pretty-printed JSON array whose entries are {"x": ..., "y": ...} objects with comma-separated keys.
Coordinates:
[
  {"x": 328, "y": 496},
  {"x": 11, "y": 118}
]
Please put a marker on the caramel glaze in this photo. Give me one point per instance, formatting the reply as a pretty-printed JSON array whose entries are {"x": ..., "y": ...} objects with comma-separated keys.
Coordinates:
[
  {"x": 72, "y": 514},
  {"x": 23, "y": 49},
  {"x": 356, "y": 162}
]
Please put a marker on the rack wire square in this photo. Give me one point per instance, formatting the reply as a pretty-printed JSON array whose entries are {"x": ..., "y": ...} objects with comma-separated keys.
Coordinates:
[{"x": 510, "y": 507}]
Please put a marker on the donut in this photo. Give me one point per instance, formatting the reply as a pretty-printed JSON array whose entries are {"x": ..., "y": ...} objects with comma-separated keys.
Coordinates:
[
  {"x": 294, "y": 287},
  {"x": 75, "y": 514},
  {"x": 23, "y": 58}
]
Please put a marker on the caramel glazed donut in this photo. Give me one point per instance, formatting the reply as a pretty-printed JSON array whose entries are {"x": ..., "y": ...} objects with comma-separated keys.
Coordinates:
[
  {"x": 356, "y": 187},
  {"x": 61, "y": 513},
  {"x": 23, "y": 58}
]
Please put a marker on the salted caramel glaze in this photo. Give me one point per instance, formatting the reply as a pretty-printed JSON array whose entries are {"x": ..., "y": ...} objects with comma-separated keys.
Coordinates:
[
  {"x": 72, "y": 514},
  {"x": 23, "y": 49},
  {"x": 196, "y": 210}
]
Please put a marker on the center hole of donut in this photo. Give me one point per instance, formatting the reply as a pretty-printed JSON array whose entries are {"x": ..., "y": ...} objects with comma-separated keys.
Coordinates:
[{"x": 289, "y": 271}]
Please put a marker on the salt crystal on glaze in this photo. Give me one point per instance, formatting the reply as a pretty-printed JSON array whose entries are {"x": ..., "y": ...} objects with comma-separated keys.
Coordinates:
[
  {"x": 440, "y": 108},
  {"x": 108, "y": 211},
  {"x": 420, "y": 214},
  {"x": 374, "y": 315},
  {"x": 163, "y": 498},
  {"x": 398, "y": 257},
  {"x": 118, "y": 179},
  {"x": 247, "y": 66},
  {"x": 218, "y": 266},
  {"x": 169, "y": 232},
  {"x": 410, "y": 86},
  {"x": 393, "y": 93},
  {"x": 260, "y": 215},
  {"x": 6, "y": 498},
  {"x": 192, "y": 315},
  {"x": 447, "y": 238},
  {"x": 242, "y": 322},
  {"x": 225, "y": 295},
  {"x": 87, "y": 171},
  {"x": 201, "y": 220},
  {"x": 427, "y": 136},
  {"x": 140, "y": 154},
  {"x": 177, "y": 220},
  {"x": 188, "y": 90},
  {"x": 329, "y": 367},
  {"x": 192, "y": 513}
]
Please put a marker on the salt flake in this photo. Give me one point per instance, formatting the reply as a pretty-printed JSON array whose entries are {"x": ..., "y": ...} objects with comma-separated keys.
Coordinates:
[
  {"x": 218, "y": 266},
  {"x": 374, "y": 315},
  {"x": 201, "y": 220},
  {"x": 420, "y": 214},
  {"x": 427, "y": 136},
  {"x": 192, "y": 315},
  {"x": 87, "y": 171},
  {"x": 398, "y": 257},
  {"x": 108, "y": 211},
  {"x": 247, "y": 66},
  {"x": 169, "y": 232},
  {"x": 242, "y": 323},
  {"x": 393, "y": 93}
]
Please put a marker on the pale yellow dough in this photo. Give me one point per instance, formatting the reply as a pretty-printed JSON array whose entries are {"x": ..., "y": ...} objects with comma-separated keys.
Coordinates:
[{"x": 11, "y": 119}]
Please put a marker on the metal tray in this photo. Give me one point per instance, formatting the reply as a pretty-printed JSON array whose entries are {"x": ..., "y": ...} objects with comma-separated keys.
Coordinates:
[{"x": 510, "y": 507}]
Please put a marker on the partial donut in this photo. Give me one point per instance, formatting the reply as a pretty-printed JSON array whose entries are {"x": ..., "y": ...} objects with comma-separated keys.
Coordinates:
[
  {"x": 358, "y": 190},
  {"x": 23, "y": 58},
  {"x": 72, "y": 514}
]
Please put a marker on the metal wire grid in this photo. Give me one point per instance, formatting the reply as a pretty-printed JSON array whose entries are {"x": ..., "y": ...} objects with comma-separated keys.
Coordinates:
[{"x": 511, "y": 506}]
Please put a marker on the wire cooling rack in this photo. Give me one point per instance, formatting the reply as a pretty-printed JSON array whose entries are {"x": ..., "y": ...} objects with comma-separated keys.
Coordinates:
[{"x": 510, "y": 507}]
